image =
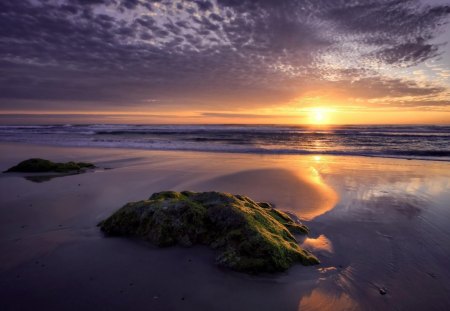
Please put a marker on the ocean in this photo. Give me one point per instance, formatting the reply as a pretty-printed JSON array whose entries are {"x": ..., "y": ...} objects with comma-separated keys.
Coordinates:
[{"x": 428, "y": 142}]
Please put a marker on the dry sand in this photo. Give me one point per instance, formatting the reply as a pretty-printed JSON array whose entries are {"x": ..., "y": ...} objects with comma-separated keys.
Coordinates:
[{"x": 376, "y": 223}]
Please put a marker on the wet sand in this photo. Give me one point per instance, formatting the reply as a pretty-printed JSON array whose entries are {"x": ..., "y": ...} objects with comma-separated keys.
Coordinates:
[{"x": 376, "y": 224}]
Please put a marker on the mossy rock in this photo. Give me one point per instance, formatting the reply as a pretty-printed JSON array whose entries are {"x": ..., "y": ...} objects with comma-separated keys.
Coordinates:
[
  {"x": 249, "y": 236},
  {"x": 37, "y": 165}
]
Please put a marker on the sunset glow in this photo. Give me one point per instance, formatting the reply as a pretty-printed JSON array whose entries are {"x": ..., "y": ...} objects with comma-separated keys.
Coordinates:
[
  {"x": 252, "y": 62},
  {"x": 319, "y": 116}
]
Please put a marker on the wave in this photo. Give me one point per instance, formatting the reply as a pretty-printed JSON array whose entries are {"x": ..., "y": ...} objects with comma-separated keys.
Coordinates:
[{"x": 424, "y": 142}]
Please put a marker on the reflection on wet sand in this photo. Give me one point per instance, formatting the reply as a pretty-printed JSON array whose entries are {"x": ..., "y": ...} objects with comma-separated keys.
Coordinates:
[
  {"x": 319, "y": 244},
  {"x": 321, "y": 300},
  {"x": 303, "y": 192},
  {"x": 383, "y": 245},
  {"x": 44, "y": 178},
  {"x": 389, "y": 234}
]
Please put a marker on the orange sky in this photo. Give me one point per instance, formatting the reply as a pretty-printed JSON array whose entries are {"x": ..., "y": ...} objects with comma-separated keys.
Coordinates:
[
  {"x": 199, "y": 62},
  {"x": 315, "y": 116}
]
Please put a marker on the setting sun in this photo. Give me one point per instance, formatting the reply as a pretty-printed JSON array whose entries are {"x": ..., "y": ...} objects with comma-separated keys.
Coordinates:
[{"x": 318, "y": 116}]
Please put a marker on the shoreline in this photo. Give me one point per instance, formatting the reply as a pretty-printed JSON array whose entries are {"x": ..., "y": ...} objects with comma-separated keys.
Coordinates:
[
  {"x": 423, "y": 142},
  {"x": 287, "y": 154}
]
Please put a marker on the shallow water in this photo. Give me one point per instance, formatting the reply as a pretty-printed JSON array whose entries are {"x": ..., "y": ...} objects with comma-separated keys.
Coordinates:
[{"x": 390, "y": 230}]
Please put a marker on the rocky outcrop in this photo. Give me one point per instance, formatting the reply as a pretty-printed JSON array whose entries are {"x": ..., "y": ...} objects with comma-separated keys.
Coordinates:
[
  {"x": 249, "y": 236},
  {"x": 37, "y": 165}
]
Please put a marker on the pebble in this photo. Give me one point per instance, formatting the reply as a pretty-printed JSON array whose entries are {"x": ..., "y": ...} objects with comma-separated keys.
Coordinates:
[{"x": 383, "y": 291}]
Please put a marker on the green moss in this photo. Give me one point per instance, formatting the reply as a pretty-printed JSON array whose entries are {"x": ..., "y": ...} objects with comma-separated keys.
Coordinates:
[
  {"x": 250, "y": 237},
  {"x": 287, "y": 221},
  {"x": 37, "y": 165}
]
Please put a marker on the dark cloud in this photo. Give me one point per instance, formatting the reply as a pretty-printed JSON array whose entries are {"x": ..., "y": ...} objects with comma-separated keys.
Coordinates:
[
  {"x": 377, "y": 87},
  {"x": 204, "y": 5},
  {"x": 117, "y": 53},
  {"x": 244, "y": 115},
  {"x": 411, "y": 52},
  {"x": 399, "y": 28}
]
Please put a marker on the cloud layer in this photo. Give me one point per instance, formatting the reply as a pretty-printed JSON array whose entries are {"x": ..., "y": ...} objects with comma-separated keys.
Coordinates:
[{"x": 116, "y": 54}]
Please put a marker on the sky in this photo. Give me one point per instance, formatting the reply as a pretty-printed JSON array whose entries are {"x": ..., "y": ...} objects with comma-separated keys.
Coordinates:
[{"x": 225, "y": 61}]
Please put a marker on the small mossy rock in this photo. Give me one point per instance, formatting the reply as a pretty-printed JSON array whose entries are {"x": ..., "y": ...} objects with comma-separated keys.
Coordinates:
[
  {"x": 250, "y": 237},
  {"x": 37, "y": 165}
]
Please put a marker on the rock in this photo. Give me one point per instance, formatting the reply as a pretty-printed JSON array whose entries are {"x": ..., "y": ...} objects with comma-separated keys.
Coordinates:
[
  {"x": 37, "y": 165},
  {"x": 264, "y": 204},
  {"x": 249, "y": 237},
  {"x": 383, "y": 291}
]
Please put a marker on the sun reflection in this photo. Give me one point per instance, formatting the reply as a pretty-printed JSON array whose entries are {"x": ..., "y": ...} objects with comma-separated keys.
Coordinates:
[
  {"x": 321, "y": 243},
  {"x": 326, "y": 197},
  {"x": 321, "y": 299}
]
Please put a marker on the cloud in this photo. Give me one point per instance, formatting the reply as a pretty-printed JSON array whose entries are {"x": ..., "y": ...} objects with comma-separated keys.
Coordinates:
[
  {"x": 118, "y": 53},
  {"x": 246, "y": 115},
  {"x": 376, "y": 87}
]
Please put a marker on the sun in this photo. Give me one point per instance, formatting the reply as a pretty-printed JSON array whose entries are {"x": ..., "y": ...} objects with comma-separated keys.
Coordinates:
[{"x": 318, "y": 116}]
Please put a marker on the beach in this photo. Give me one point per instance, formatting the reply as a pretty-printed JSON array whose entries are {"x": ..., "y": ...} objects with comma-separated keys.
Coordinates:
[
  {"x": 378, "y": 225},
  {"x": 224, "y": 155}
]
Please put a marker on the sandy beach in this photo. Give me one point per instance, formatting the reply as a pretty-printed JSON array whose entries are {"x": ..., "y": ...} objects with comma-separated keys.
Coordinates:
[{"x": 376, "y": 223}]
